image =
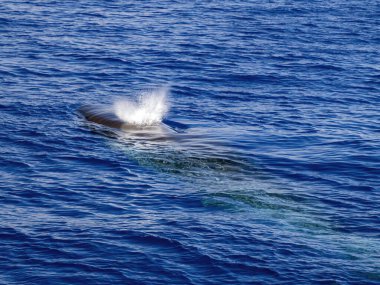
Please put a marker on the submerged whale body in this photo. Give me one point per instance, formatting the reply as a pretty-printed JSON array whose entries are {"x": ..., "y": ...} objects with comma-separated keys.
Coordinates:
[{"x": 152, "y": 136}]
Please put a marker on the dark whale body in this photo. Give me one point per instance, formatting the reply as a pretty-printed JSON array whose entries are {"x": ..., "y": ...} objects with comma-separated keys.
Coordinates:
[
  {"x": 101, "y": 115},
  {"x": 105, "y": 116}
]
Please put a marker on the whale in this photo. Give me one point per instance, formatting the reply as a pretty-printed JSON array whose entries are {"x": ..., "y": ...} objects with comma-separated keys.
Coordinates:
[
  {"x": 167, "y": 145},
  {"x": 101, "y": 115},
  {"x": 105, "y": 116}
]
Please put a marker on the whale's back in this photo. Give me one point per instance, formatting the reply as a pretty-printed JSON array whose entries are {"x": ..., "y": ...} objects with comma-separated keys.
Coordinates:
[{"x": 101, "y": 115}]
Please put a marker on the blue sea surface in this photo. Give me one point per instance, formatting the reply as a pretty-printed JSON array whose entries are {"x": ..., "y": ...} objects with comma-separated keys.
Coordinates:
[{"x": 272, "y": 177}]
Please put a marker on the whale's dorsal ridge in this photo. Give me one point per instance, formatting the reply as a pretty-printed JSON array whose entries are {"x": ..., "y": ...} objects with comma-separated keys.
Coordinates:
[{"x": 101, "y": 115}]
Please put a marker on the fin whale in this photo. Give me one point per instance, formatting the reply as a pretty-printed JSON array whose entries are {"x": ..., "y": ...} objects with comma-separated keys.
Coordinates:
[
  {"x": 106, "y": 117},
  {"x": 101, "y": 115}
]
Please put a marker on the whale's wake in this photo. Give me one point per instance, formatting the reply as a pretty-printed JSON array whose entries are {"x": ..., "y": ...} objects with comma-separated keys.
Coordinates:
[{"x": 150, "y": 108}]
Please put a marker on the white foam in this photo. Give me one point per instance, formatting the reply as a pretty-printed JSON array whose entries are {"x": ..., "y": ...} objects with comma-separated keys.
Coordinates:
[{"x": 149, "y": 109}]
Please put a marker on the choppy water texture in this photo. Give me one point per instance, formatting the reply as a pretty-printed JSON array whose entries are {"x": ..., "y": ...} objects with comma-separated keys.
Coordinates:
[{"x": 270, "y": 175}]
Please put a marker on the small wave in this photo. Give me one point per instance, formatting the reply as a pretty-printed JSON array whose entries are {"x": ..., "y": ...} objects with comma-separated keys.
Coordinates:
[{"x": 149, "y": 109}]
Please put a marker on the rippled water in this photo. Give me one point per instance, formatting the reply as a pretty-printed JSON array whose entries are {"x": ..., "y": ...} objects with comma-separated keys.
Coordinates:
[{"x": 268, "y": 174}]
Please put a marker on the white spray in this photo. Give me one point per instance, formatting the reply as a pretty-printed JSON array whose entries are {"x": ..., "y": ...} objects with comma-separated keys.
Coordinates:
[{"x": 150, "y": 108}]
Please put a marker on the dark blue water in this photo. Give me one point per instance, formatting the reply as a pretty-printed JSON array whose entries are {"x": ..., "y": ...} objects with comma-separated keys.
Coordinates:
[{"x": 273, "y": 177}]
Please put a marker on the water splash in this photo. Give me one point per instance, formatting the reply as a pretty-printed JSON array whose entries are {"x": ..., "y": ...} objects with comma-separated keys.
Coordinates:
[{"x": 149, "y": 109}]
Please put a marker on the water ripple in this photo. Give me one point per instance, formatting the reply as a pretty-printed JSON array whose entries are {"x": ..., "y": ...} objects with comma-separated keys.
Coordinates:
[{"x": 270, "y": 173}]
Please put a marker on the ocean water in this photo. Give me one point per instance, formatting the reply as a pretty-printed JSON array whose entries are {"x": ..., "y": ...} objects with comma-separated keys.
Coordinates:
[{"x": 265, "y": 170}]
